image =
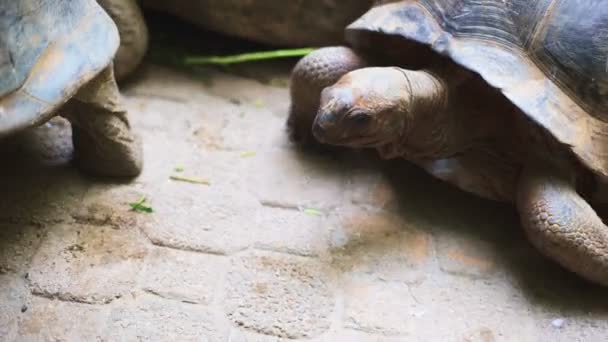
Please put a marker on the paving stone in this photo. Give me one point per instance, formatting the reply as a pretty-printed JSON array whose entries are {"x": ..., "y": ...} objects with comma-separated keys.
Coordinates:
[
  {"x": 279, "y": 294},
  {"x": 84, "y": 263},
  {"x": 483, "y": 335},
  {"x": 220, "y": 168},
  {"x": 212, "y": 122},
  {"x": 307, "y": 235},
  {"x": 163, "y": 117},
  {"x": 387, "y": 308},
  {"x": 178, "y": 158},
  {"x": 581, "y": 327},
  {"x": 371, "y": 187},
  {"x": 108, "y": 205},
  {"x": 162, "y": 156},
  {"x": 467, "y": 256},
  {"x": 14, "y": 297},
  {"x": 42, "y": 198},
  {"x": 360, "y": 336},
  {"x": 201, "y": 218},
  {"x": 250, "y": 92},
  {"x": 159, "y": 82},
  {"x": 18, "y": 242},
  {"x": 40, "y": 182},
  {"x": 239, "y": 335},
  {"x": 254, "y": 128},
  {"x": 379, "y": 244},
  {"x": 290, "y": 178},
  {"x": 566, "y": 308},
  {"x": 224, "y": 122},
  {"x": 152, "y": 319},
  {"x": 458, "y": 309},
  {"x": 54, "y": 320},
  {"x": 211, "y": 135},
  {"x": 185, "y": 276}
]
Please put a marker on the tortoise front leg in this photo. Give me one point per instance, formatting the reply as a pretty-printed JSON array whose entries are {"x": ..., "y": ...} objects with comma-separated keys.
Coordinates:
[
  {"x": 104, "y": 143},
  {"x": 561, "y": 224},
  {"x": 133, "y": 34},
  {"x": 311, "y": 75}
]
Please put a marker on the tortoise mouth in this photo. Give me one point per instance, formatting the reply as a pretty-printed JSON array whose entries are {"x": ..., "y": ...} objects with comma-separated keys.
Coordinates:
[
  {"x": 349, "y": 141},
  {"x": 363, "y": 141},
  {"x": 330, "y": 129}
]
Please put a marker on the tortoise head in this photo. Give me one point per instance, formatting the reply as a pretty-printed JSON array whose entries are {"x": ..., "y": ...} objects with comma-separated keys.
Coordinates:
[{"x": 365, "y": 108}]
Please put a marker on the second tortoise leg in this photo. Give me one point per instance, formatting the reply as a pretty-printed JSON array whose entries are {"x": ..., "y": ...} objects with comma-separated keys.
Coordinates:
[
  {"x": 133, "y": 35},
  {"x": 104, "y": 142},
  {"x": 313, "y": 73}
]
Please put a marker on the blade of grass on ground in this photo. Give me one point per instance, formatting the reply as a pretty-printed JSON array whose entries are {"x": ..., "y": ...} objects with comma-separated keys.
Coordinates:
[{"x": 247, "y": 57}]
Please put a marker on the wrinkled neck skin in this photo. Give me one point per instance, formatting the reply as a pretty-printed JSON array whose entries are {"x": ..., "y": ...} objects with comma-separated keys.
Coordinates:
[{"x": 426, "y": 123}]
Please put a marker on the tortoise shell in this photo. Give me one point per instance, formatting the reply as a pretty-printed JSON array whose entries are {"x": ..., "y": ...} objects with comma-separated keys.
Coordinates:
[
  {"x": 48, "y": 50},
  {"x": 284, "y": 23},
  {"x": 548, "y": 57}
]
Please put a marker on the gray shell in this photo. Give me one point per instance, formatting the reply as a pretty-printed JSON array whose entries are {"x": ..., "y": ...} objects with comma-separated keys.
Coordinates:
[
  {"x": 48, "y": 50},
  {"x": 549, "y": 57}
]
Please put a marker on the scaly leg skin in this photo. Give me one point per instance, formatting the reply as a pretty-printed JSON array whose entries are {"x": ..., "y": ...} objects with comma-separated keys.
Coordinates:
[
  {"x": 310, "y": 76},
  {"x": 561, "y": 224},
  {"x": 133, "y": 35},
  {"x": 104, "y": 142}
]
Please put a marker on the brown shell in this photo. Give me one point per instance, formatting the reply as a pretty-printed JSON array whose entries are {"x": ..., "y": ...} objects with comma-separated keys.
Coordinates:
[
  {"x": 548, "y": 57},
  {"x": 286, "y": 23}
]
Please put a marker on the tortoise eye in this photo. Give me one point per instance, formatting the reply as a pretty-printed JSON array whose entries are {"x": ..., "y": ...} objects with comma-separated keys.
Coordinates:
[{"x": 360, "y": 118}]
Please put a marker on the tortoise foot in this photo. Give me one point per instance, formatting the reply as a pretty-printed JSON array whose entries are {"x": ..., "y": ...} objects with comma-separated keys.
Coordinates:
[
  {"x": 104, "y": 142},
  {"x": 310, "y": 76},
  {"x": 107, "y": 147},
  {"x": 561, "y": 224}
]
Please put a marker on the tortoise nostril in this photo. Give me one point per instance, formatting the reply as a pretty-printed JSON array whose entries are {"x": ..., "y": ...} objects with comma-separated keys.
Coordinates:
[
  {"x": 326, "y": 119},
  {"x": 318, "y": 131}
]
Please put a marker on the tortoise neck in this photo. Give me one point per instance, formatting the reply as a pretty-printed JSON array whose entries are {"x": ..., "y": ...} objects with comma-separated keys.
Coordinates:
[
  {"x": 426, "y": 102},
  {"x": 427, "y": 97},
  {"x": 424, "y": 111}
]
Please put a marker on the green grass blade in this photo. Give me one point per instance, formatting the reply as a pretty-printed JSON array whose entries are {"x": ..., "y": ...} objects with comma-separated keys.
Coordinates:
[{"x": 248, "y": 57}]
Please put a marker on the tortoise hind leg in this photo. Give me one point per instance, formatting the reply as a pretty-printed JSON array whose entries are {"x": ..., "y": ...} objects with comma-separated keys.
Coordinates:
[
  {"x": 104, "y": 143},
  {"x": 317, "y": 70},
  {"x": 133, "y": 35},
  {"x": 561, "y": 224}
]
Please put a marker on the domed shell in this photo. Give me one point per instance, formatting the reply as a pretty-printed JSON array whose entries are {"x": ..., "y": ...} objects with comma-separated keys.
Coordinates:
[
  {"x": 283, "y": 23},
  {"x": 549, "y": 57},
  {"x": 48, "y": 50}
]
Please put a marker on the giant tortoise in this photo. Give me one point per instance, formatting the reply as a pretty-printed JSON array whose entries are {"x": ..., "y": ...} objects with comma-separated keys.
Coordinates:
[
  {"x": 56, "y": 58},
  {"x": 281, "y": 23},
  {"x": 285, "y": 23},
  {"x": 504, "y": 99}
]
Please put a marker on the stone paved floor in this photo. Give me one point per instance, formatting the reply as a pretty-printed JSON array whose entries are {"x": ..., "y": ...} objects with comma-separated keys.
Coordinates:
[{"x": 280, "y": 245}]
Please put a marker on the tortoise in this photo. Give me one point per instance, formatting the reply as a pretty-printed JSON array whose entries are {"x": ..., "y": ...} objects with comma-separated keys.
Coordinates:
[
  {"x": 284, "y": 23},
  {"x": 56, "y": 59},
  {"x": 503, "y": 99},
  {"x": 308, "y": 23}
]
